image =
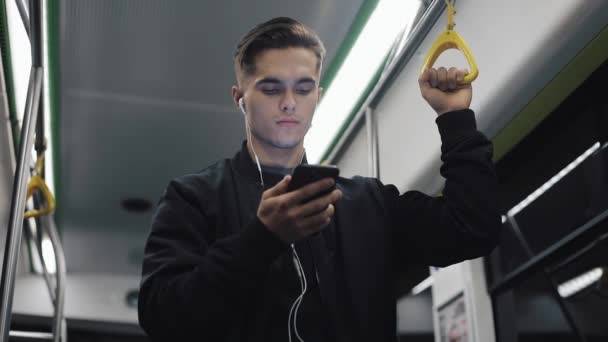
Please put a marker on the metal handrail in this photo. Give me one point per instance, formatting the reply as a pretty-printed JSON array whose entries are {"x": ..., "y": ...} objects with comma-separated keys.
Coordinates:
[
  {"x": 59, "y": 322},
  {"x": 57, "y": 288},
  {"x": 36, "y": 247},
  {"x": 16, "y": 335},
  {"x": 572, "y": 241},
  {"x": 372, "y": 136},
  {"x": 36, "y": 31},
  {"x": 15, "y": 228},
  {"x": 13, "y": 243}
]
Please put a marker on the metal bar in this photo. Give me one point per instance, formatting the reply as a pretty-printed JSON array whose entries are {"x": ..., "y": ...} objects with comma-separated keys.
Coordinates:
[
  {"x": 579, "y": 254},
  {"x": 24, "y": 16},
  {"x": 36, "y": 235},
  {"x": 15, "y": 228},
  {"x": 372, "y": 138},
  {"x": 505, "y": 317},
  {"x": 40, "y": 142},
  {"x": 590, "y": 229},
  {"x": 59, "y": 323},
  {"x": 519, "y": 235},
  {"x": 368, "y": 128},
  {"x": 40, "y": 147},
  {"x": 552, "y": 285},
  {"x": 417, "y": 35},
  {"x": 47, "y": 275},
  {"x": 29, "y": 336},
  {"x": 64, "y": 330},
  {"x": 567, "y": 314},
  {"x": 36, "y": 251},
  {"x": 36, "y": 32}
]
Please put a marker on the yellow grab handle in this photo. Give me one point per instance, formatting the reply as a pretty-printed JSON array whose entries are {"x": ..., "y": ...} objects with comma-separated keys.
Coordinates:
[
  {"x": 450, "y": 39},
  {"x": 38, "y": 183}
]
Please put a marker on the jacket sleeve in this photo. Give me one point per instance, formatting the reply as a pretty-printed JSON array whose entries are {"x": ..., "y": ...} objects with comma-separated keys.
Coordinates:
[
  {"x": 190, "y": 285},
  {"x": 463, "y": 223}
]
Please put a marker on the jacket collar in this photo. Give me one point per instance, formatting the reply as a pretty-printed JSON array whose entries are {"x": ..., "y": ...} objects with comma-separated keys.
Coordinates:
[{"x": 246, "y": 166}]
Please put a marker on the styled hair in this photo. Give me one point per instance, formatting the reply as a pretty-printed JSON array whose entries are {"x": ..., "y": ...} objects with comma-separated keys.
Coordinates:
[{"x": 277, "y": 33}]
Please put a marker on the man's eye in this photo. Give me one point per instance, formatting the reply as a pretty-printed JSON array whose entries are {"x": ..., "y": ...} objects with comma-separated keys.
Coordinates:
[
  {"x": 270, "y": 91},
  {"x": 303, "y": 91}
]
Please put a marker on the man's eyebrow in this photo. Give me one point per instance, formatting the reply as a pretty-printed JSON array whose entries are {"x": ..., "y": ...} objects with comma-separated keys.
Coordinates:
[
  {"x": 307, "y": 80},
  {"x": 268, "y": 80},
  {"x": 273, "y": 80}
]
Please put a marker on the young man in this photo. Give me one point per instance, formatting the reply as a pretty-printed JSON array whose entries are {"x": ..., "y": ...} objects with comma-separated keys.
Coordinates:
[{"x": 222, "y": 262}]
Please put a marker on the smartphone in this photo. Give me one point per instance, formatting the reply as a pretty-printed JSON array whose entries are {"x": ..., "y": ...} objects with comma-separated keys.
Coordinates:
[{"x": 307, "y": 173}]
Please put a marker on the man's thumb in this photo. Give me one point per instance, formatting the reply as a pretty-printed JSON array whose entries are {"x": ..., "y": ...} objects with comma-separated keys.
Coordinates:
[
  {"x": 280, "y": 188},
  {"x": 424, "y": 78}
]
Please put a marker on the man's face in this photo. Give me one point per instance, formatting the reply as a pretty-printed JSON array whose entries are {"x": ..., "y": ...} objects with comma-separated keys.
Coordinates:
[{"x": 281, "y": 96}]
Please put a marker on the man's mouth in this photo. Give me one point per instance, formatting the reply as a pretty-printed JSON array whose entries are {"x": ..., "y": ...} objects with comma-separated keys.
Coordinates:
[{"x": 288, "y": 123}]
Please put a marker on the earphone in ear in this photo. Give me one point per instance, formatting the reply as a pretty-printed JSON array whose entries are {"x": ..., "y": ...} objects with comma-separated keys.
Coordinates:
[
  {"x": 242, "y": 105},
  {"x": 248, "y": 131}
]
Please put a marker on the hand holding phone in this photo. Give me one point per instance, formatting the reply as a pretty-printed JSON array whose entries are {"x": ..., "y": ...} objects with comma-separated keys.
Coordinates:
[
  {"x": 306, "y": 174},
  {"x": 302, "y": 204}
]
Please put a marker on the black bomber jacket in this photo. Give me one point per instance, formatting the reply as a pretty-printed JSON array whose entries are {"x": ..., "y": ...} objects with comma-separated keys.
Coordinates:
[{"x": 207, "y": 257}]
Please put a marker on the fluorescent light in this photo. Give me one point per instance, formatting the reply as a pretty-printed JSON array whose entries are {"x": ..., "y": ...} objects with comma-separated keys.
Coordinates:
[
  {"x": 579, "y": 283},
  {"x": 48, "y": 255},
  {"x": 355, "y": 74},
  {"x": 538, "y": 192},
  {"x": 21, "y": 56},
  {"x": 49, "y": 161},
  {"x": 425, "y": 284},
  {"x": 21, "y": 63}
]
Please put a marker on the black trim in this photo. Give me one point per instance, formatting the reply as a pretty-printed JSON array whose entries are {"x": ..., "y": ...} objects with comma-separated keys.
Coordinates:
[{"x": 564, "y": 247}]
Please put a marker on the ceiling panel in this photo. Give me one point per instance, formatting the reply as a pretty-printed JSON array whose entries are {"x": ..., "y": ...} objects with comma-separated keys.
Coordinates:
[{"x": 145, "y": 97}]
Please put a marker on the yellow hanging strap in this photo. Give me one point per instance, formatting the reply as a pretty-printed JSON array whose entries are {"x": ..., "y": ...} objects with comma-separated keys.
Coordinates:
[
  {"x": 450, "y": 39},
  {"x": 36, "y": 182}
]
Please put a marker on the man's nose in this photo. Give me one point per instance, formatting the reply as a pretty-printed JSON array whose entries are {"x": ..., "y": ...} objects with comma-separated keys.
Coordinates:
[{"x": 288, "y": 105}]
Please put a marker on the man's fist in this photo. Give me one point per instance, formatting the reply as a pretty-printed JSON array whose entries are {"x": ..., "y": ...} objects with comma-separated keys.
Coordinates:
[{"x": 443, "y": 89}]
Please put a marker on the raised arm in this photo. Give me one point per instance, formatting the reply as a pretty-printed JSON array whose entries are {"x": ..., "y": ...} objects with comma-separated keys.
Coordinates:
[{"x": 464, "y": 222}]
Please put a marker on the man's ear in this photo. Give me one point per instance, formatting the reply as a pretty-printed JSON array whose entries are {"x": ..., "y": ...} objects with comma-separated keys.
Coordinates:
[{"x": 236, "y": 95}]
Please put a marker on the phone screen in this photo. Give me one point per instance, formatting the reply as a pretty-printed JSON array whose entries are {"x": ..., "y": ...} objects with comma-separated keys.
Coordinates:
[{"x": 306, "y": 174}]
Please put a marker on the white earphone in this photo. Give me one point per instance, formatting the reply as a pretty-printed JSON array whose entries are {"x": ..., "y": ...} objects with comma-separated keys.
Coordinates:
[
  {"x": 293, "y": 311},
  {"x": 248, "y": 131},
  {"x": 241, "y": 105}
]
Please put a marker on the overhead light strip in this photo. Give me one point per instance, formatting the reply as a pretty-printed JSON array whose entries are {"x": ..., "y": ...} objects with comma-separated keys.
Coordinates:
[
  {"x": 551, "y": 182},
  {"x": 422, "y": 286},
  {"x": 357, "y": 71},
  {"x": 573, "y": 286}
]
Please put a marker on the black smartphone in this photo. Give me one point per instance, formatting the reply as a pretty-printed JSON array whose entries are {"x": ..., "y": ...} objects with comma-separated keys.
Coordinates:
[{"x": 308, "y": 173}]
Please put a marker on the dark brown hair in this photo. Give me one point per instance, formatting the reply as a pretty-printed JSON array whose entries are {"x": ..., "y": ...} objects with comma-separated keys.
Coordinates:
[{"x": 277, "y": 33}]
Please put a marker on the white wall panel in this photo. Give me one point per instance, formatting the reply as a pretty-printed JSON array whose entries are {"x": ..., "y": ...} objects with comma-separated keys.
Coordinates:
[
  {"x": 519, "y": 47},
  {"x": 354, "y": 160}
]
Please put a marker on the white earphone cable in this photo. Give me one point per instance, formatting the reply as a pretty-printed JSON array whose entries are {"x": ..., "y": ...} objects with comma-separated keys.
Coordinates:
[
  {"x": 298, "y": 301},
  {"x": 297, "y": 263}
]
